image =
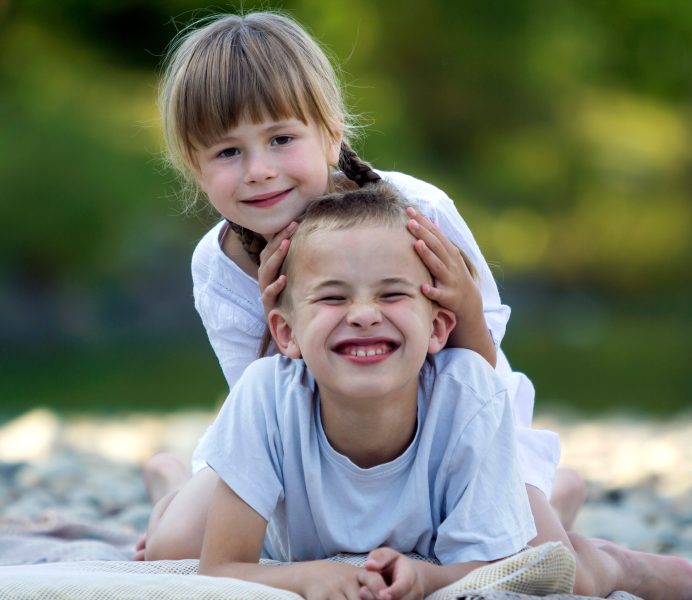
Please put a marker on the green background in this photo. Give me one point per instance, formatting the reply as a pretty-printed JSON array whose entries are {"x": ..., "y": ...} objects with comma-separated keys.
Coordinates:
[{"x": 560, "y": 129}]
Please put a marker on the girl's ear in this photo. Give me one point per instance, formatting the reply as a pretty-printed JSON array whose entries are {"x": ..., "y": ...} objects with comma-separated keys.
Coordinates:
[
  {"x": 443, "y": 324},
  {"x": 282, "y": 332}
]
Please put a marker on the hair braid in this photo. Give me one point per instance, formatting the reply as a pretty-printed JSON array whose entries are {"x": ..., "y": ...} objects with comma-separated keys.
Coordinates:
[
  {"x": 354, "y": 167},
  {"x": 253, "y": 243}
]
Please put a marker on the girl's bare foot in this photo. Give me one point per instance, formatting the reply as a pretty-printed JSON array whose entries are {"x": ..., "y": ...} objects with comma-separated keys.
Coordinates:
[
  {"x": 163, "y": 474},
  {"x": 652, "y": 576},
  {"x": 569, "y": 493}
]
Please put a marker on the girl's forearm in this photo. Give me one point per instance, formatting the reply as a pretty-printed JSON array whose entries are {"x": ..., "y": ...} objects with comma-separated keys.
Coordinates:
[{"x": 473, "y": 334}]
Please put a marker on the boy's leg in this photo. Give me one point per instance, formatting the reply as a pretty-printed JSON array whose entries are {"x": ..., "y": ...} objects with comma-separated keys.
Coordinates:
[
  {"x": 604, "y": 567},
  {"x": 569, "y": 493},
  {"x": 179, "y": 516}
]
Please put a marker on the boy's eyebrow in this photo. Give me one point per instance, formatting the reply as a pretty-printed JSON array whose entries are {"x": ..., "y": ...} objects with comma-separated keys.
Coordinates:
[{"x": 397, "y": 281}]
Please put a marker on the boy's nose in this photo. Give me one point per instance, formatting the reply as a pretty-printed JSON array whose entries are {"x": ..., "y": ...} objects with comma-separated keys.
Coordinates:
[
  {"x": 259, "y": 168},
  {"x": 363, "y": 314}
]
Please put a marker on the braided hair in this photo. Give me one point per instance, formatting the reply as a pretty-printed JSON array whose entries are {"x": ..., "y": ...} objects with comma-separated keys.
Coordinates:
[{"x": 351, "y": 165}]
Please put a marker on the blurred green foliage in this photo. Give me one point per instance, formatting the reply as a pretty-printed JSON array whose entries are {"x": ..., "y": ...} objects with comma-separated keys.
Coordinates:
[{"x": 561, "y": 129}]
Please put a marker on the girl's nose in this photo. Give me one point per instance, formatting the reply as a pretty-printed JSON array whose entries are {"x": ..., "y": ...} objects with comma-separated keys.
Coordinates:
[
  {"x": 363, "y": 314},
  {"x": 259, "y": 168}
]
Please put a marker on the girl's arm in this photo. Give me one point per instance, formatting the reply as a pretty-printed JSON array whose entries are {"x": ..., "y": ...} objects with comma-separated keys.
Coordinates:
[
  {"x": 454, "y": 287},
  {"x": 233, "y": 544},
  {"x": 408, "y": 578}
]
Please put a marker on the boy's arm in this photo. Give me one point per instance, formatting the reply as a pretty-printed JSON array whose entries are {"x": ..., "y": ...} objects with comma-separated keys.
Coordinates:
[
  {"x": 454, "y": 287},
  {"x": 233, "y": 544}
]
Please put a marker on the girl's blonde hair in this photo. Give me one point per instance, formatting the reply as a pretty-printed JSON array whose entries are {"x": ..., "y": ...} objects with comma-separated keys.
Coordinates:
[{"x": 263, "y": 65}]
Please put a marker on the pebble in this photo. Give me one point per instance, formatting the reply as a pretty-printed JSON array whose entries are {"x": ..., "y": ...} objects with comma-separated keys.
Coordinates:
[{"x": 56, "y": 470}]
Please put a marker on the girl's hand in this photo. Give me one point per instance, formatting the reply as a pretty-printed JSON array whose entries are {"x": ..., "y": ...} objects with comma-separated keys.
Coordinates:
[
  {"x": 399, "y": 579},
  {"x": 453, "y": 286},
  {"x": 272, "y": 257}
]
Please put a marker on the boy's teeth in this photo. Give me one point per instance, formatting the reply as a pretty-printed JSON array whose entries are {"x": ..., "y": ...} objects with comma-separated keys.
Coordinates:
[{"x": 355, "y": 351}]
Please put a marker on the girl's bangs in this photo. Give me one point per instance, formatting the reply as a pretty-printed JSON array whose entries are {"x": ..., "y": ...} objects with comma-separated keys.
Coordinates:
[{"x": 211, "y": 106}]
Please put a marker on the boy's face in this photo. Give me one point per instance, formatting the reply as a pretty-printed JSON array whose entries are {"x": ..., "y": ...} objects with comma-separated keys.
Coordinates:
[{"x": 357, "y": 315}]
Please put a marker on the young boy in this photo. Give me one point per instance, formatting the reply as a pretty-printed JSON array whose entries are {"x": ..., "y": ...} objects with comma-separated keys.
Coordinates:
[{"x": 367, "y": 437}]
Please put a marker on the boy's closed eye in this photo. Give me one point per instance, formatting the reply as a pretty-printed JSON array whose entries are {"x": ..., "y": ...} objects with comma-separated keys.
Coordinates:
[
  {"x": 332, "y": 299},
  {"x": 394, "y": 296}
]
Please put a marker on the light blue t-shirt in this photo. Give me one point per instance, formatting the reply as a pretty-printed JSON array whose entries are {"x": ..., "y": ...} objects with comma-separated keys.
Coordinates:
[{"x": 455, "y": 494}]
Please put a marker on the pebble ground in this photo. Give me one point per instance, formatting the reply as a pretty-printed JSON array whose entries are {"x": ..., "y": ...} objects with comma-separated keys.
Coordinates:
[{"x": 88, "y": 470}]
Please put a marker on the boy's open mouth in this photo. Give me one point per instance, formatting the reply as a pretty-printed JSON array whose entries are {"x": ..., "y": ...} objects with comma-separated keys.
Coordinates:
[{"x": 365, "y": 348}]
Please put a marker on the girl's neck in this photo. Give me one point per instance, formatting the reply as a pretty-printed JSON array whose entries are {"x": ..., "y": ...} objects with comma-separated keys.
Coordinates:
[
  {"x": 233, "y": 248},
  {"x": 371, "y": 431}
]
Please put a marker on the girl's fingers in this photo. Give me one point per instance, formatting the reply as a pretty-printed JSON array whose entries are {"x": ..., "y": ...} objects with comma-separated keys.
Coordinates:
[
  {"x": 276, "y": 240},
  {"x": 272, "y": 292},
  {"x": 270, "y": 266},
  {"x": 431, "y": 293},
  {"x": 431, "y": 260}
]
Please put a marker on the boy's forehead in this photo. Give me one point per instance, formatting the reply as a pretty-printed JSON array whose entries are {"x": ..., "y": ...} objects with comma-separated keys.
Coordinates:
[{"x": 360, "y": 250}]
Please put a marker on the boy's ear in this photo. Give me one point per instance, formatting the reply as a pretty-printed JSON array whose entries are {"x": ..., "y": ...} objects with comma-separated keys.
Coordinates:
[
  {"x": 282, "y": 332},
  {"x": 443, "y": 324}
]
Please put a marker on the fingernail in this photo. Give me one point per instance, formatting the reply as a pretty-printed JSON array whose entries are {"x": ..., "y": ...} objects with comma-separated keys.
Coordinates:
[{"x": 292, "y": 226}]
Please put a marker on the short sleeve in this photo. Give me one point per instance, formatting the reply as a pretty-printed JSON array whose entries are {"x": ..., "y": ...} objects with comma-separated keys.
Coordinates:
[
  {"x": 486, "y": 514},
  {"x": 229, "y": 304},
  {"x": 244, "y": 445}
]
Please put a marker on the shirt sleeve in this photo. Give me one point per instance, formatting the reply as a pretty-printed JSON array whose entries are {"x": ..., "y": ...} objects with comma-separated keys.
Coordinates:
[
  {"x": 244, "y": 445},
  {"x": 229, "y": 307},
  {"x": 486, "y": 507}
]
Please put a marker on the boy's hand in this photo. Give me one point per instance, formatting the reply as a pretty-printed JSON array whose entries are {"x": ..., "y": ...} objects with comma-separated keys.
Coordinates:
[
  {"x": 399, "y": 579},
  {"x": 271, "y": 258},
  {"x": 453, "y": 286},
  {"x": 324, "y": 580}
]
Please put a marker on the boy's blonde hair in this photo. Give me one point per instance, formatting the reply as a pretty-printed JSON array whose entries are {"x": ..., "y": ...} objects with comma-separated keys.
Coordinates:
[{"x": 378, "y": 204}]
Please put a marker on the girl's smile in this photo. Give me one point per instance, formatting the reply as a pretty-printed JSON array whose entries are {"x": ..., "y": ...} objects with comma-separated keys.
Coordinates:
[{"x": 265, "y": 200}]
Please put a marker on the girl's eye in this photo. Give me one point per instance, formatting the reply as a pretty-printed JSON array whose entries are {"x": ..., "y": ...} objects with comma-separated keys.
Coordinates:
[
  {"x": 281, "y": 140},
  {"x": 228, "y": 153}
]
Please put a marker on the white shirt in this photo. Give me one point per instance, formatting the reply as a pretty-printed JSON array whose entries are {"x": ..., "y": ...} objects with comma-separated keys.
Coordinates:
[
  {"x": 229, "y": 303},
  {"x": 455, "y": 493}
]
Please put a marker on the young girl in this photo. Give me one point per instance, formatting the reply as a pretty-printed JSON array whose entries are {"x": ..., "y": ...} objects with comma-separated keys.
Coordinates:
[
  {"x": 356, "y": 443},
  {"x": 254, "y": 120}
]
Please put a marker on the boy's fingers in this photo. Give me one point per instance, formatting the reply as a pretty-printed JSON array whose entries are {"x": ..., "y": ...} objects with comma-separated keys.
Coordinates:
[{"x": 372, "y": 581}]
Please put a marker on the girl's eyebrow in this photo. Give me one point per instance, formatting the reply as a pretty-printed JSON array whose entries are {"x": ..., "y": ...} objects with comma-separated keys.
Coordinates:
[{"x": 270, "y": 128}]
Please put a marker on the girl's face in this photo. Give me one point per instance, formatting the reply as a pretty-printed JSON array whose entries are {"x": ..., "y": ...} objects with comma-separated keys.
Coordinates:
[{"x": 262, "y": 175}]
